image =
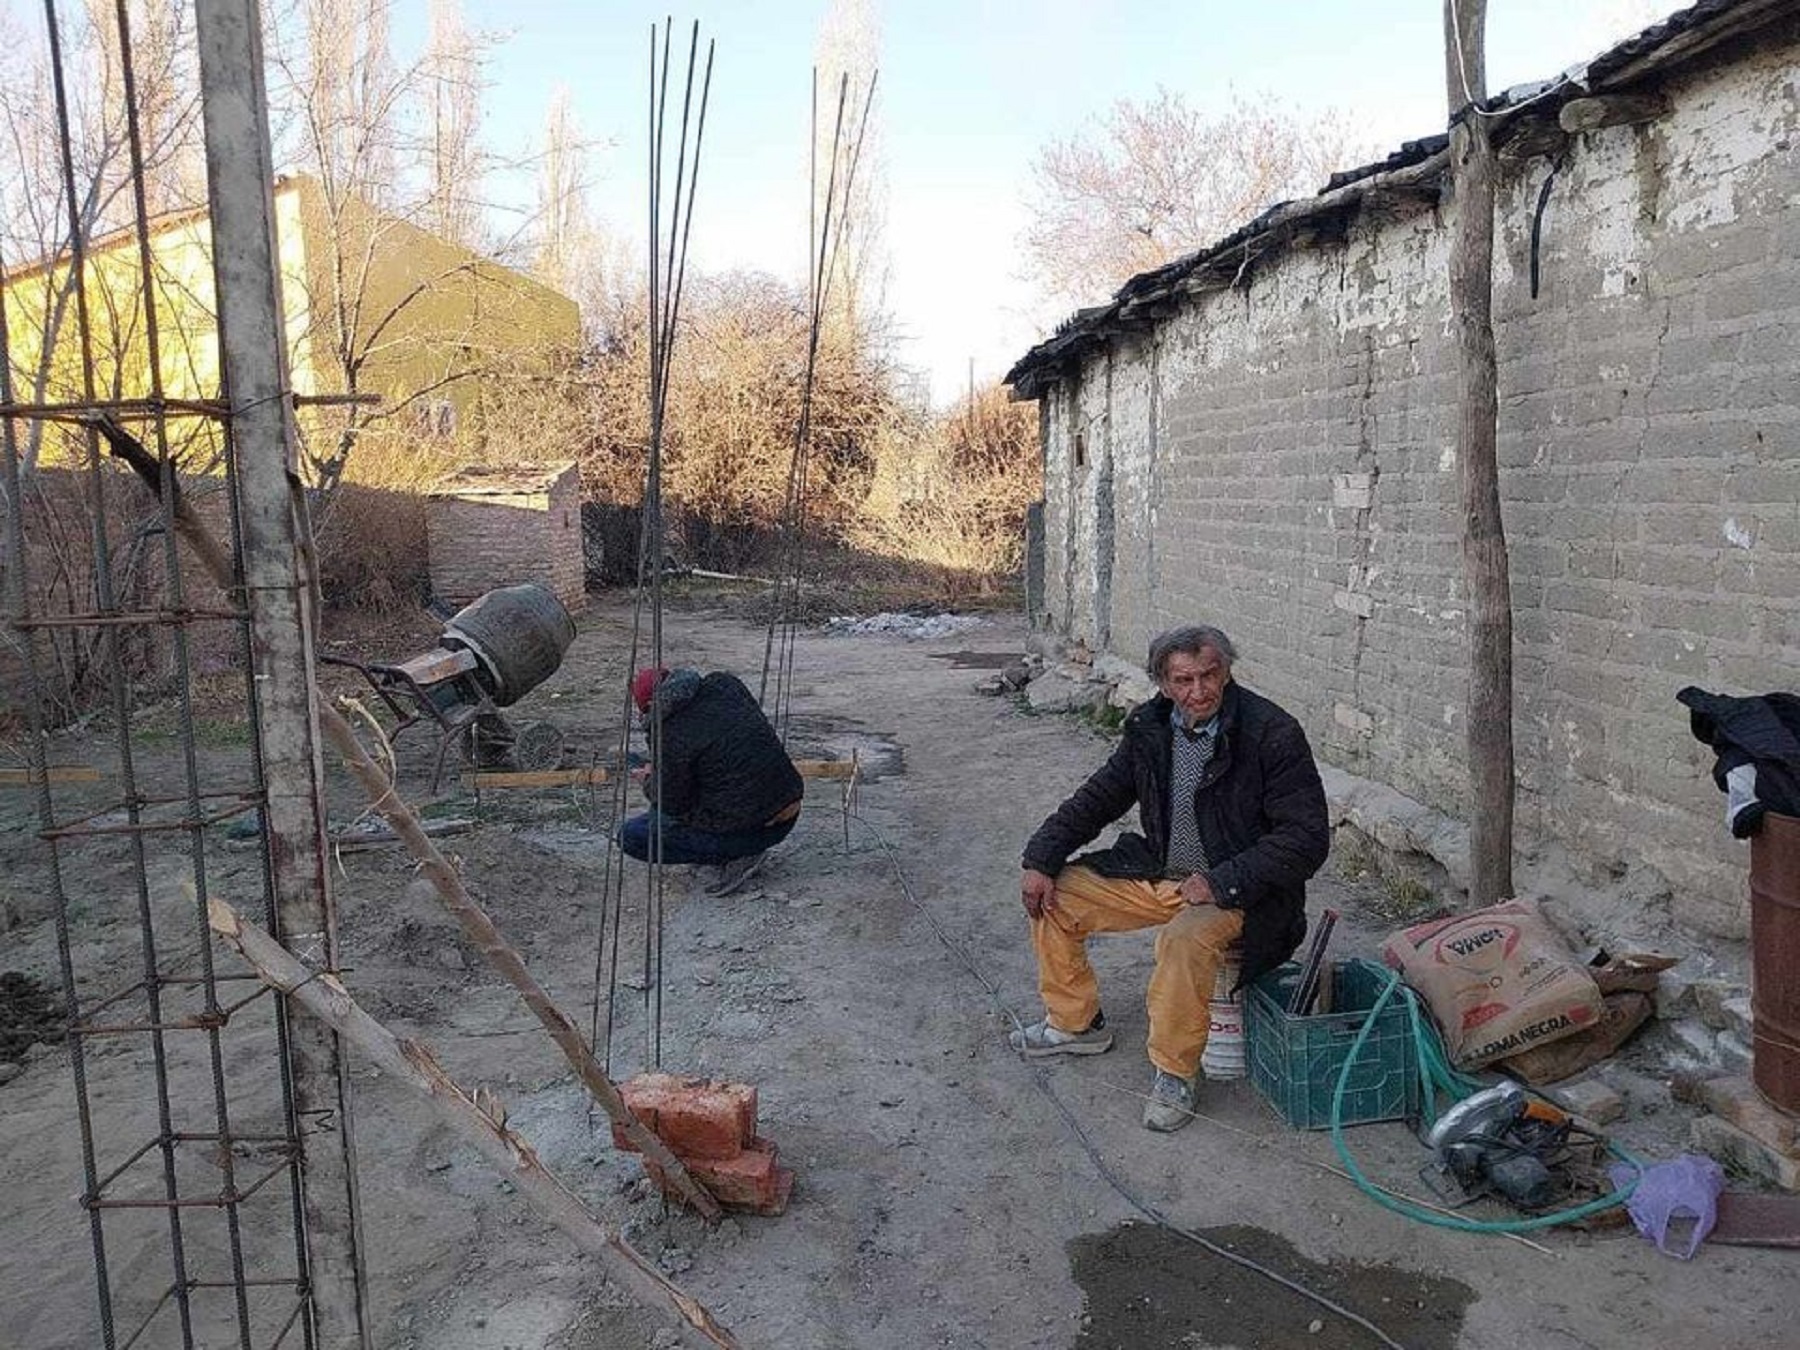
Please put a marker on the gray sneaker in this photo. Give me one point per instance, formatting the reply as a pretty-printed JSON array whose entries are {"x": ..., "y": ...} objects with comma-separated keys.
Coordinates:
[
  {"x": 1171, "y": 1103},
  {"x": 1041, "y": 1040},
  {"x": 734, "y": 874}
]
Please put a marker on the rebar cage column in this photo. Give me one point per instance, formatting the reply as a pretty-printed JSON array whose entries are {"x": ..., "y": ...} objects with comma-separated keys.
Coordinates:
[{"x": 253, "y": 349}]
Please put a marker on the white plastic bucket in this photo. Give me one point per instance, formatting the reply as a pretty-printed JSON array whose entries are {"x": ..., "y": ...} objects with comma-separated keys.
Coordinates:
[{"x": 1223, "y": 1058}]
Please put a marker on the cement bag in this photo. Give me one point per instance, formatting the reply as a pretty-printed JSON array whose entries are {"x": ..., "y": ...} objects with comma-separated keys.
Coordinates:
[{"x": 1498, "y": 981}]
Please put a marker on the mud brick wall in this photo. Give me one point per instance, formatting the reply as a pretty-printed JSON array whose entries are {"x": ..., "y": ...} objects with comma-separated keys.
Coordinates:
[
  {"x": 492, "y": 538},
  {"x": 1280, "y": 460}
]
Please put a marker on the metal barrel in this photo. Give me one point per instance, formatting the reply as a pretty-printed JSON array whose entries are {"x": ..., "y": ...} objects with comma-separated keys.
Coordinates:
[
  {"x": 519, "y": 635},
  {"x": 1775, "y": 959}
]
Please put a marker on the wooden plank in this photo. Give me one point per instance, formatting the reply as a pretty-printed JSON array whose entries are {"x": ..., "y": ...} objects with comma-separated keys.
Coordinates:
[
  {"x": 58, "y": 773},
  {"x": 827, "y": 769},
  {"x": 537, "y": 778},
  {"x": 437, "y": 664},
  {"x": 477, "y": 1118}
]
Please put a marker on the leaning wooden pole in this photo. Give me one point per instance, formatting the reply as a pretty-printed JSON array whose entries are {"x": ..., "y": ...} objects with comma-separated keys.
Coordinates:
[
  {"x": 500, "y": 954},
  {"x": 478, "y": 1120},
  {"x": 1489, "y": 709},
  {"x": 475, "y": 923}
]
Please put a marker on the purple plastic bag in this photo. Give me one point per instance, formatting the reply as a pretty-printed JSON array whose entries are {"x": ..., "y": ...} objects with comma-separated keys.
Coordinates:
[{"x": 1671, "y": 1194}]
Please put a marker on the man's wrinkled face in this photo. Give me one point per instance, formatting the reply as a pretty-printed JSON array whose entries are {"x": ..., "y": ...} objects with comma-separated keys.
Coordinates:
[{"x": 1196, "y": 684}]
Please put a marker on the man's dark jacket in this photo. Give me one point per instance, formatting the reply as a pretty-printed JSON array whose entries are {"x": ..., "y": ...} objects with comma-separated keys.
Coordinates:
[
  {"x": 720, "y": 766},
  {"x": 1260, "y": 806}
]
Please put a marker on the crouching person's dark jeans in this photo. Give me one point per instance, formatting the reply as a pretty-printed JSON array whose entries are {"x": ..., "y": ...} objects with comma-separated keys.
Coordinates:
[{"x": 685, "y": 844}]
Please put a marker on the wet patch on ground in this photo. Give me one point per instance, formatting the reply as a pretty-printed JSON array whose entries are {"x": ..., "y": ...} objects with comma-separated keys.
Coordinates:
[
  {"x": 878, "y": 753},
  {"x": 1148, "y": 1288},
  {"x": 968, "y": 660},
  {"x": 29, "y": 1013}
]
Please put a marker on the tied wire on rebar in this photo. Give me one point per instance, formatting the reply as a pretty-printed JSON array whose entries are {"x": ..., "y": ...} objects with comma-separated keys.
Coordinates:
[
  {"x": 825, "y": 234},
  {"x": 667, "y": 275},
  {"x": 107, "y": 624}
]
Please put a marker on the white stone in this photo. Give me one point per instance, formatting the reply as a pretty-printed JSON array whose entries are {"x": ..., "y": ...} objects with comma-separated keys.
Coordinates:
[
  {"x": 1734, "y": 1052},
  {"x": 1696, "y": 1038},
  {"x": 1739, "y": 1020},
  {"x": 1355, "y": 491},
  {"x": 1588, "y": 1098},
  {"x": 1133, "y": 689}
]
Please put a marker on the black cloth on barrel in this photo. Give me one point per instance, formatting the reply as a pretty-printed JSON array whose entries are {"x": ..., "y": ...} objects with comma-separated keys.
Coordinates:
[{"x": 1757, "y": 740}]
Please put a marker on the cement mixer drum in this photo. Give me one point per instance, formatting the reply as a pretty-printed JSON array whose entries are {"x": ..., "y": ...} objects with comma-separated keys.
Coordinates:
[{"x": 518, "y": 634}]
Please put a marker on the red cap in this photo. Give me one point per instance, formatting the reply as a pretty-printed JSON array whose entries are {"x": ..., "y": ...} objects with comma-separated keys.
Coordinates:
[{"x": 643, "y": 684}]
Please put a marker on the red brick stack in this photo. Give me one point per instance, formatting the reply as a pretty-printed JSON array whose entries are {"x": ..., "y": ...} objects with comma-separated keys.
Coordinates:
[{"x": 711, "y": 1128}]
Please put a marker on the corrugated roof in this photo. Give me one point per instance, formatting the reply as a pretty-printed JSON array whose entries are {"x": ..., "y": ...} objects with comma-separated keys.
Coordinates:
[{"x": 1151, "y": 295}]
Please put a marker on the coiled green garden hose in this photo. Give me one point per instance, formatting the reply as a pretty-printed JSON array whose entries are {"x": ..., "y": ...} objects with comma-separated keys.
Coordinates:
[{"x": 1437, "y": 1076}]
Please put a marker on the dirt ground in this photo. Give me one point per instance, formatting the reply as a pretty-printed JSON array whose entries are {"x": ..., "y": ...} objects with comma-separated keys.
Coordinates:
[{"x": 943, "y": 1197}]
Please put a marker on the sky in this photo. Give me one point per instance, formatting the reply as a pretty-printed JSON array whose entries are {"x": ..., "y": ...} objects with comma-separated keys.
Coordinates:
[{"x": 969, "y": 93}]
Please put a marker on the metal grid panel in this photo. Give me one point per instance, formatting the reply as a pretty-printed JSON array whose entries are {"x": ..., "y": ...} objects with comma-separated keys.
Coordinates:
[{"x": 185, "y": 1097}]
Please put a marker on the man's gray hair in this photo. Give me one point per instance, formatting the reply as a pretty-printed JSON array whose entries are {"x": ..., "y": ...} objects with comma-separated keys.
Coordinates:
[{"x": 1189, "y": 641}]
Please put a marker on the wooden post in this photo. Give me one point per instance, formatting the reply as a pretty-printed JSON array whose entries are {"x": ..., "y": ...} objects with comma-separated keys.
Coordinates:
[
  {"x": 277, "y": 591},
  {"x": 1490, "y": 702},
  {"x": 477, "y": 1118}
]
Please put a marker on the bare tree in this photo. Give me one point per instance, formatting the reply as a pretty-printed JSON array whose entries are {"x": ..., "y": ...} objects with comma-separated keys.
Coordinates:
[
  {"x": 847, "y": 60},
  {"x": 1152, "y": 181},
  {"x": 355, "y": 116},
  {"x": 451, "y": 75},
  {"x": 35, "y": 243},
  {"x": 570, "y": 250}
]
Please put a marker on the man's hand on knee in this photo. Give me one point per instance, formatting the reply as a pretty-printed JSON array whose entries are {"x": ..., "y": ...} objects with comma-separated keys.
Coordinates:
[
  {"x": 1197, "y": 890},
  {"x": 1037, "y": 892}
]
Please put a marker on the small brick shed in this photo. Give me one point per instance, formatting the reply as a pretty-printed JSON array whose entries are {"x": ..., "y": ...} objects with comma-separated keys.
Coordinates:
[{"x": 491, "y": 527}]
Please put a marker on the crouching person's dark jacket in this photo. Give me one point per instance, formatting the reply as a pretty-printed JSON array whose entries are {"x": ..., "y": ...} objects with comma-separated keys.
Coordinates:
[
  {"x": 1260, "y": 807},
  {"x": 719, "y": 766}
]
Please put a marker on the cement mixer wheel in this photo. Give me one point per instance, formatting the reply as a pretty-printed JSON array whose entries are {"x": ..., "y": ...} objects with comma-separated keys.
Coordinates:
[{"x": 537, "y": 745}]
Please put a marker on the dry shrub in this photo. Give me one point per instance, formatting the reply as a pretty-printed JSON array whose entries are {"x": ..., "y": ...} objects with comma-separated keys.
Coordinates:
[
  {"x": 955, "y": 498},
  {"x": 370, "y": 531},
  {"x": 733, "y": 408}
]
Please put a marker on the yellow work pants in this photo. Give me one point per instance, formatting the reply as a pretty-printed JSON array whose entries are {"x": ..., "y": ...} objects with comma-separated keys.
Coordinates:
[{"x": 1189, "y": 950}]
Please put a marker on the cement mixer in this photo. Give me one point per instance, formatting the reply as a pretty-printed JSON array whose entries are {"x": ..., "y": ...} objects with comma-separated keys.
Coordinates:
[{"x": 490, "y": 655}]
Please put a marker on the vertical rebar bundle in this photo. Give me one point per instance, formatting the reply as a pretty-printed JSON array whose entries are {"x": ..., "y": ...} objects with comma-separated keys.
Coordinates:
[
  {"x": 825, "y": 233},
  {"x": 667, "y": 274}
]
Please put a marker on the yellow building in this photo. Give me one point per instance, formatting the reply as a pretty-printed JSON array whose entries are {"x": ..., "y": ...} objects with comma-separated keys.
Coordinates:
[{"x": 374, "y": 305}]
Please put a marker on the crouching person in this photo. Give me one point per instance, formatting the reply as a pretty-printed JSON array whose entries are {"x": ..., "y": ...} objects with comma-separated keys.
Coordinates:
[
  {"x": 722, "y": 788},
  {"x": 1234, "y": 822}
]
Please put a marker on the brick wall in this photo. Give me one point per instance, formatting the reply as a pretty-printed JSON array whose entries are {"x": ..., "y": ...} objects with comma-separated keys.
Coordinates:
[
  {"x": 496, "y": 538},
  {"x": 1280, "y": 460}
]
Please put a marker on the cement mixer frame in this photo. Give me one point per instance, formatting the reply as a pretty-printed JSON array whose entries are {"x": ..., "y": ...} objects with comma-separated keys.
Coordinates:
[
  {"x": 492, "y": 652},
  {"x": 441, "y": 687}
]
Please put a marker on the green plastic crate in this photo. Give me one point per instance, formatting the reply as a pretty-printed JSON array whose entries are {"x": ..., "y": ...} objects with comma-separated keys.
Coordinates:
[{"x": 1295, "y": 1061}]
